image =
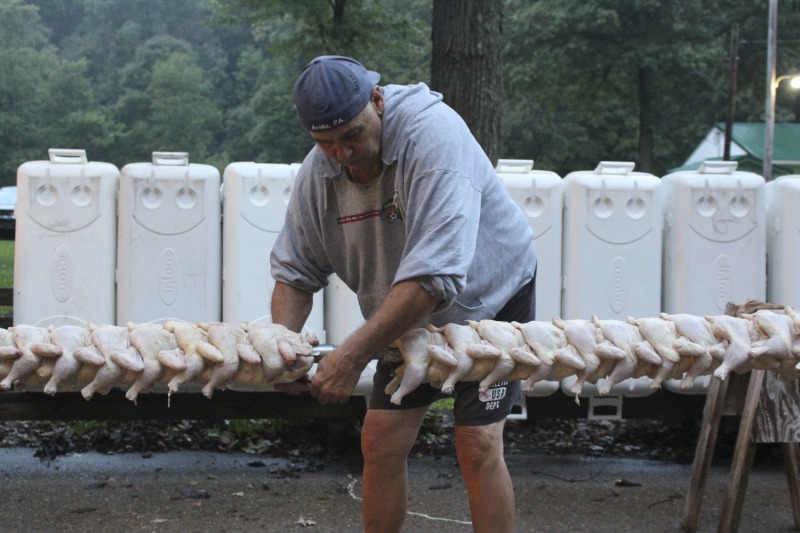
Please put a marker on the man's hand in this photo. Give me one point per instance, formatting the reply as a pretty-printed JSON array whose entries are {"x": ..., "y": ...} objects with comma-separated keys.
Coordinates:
[
  {"x": 336, "y": 378},
  {"x": 295, "y": 387}
]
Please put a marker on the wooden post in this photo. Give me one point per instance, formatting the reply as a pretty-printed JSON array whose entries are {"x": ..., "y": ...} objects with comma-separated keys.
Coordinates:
[
  {"x": 704, "y": 453},
  {"x": 777, "y": 412},
  {"x": 742, "y": 458},
  {"x": 791, "y": 455}
]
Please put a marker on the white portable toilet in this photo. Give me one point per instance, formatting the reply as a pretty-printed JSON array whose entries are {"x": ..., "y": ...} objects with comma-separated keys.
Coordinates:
[
  {"x": 64, "y": 249},
  {"x": 612, "y": 243},
  {"x": 255, "y": 198},
  {"x": 714, "y": 238},
  {"x": 539, "y": 194},
  {"x": 783, "y": 240},
  {"x": 342, "y": 312},
  {"x": 342, "y": 317},
  {"x": 169, "y": 241}
]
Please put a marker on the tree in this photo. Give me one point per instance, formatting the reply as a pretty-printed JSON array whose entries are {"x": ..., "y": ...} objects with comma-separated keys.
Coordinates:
[
  {"x": 466, "y": 65},
  {"x": 388, "y": 36},
  {"x": 166, "y": 103},
  {"x": 42, "y": 97},
  {"x": 635, "y": 80}
]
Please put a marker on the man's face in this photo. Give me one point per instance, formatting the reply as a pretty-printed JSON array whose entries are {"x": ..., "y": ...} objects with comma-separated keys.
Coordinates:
[{"x": 357, "y": 143}]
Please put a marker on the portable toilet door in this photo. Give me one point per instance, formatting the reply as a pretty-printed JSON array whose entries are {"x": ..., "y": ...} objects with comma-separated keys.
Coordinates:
[
  {"x": 538, "y": 193},
  {"x": 612, "y": 243},
  {"x": 64, "y": 250},
  {"x": 714, "y": 238},
  {"x": 255, "y": 198},
  {"x": 169, "y": 241}
]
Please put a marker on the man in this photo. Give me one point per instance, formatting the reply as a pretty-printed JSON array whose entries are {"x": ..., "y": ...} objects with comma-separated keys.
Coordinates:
[{"x": 398, "y": 199}]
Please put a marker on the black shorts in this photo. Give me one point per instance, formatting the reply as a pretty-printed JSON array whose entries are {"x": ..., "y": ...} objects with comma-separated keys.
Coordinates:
[{"x": 471, "y": 408}]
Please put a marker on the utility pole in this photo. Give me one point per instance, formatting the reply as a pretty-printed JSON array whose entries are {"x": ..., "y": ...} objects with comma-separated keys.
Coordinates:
[
  {"x": 731, "y": 91},
  {"x": 769, "y": 129}
]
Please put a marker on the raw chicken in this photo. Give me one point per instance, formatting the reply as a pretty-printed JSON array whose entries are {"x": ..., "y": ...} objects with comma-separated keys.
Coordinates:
[
  {"x": 462, "y": 338},
  {"x": 511, "y": 343},
  {"x": 661, "y": 334},
  {"x": 583, "y": 337},
  {"x": 776, "y": 331},
  {"x": 547, "y": 342},
  {"x": 120, "y": 357},
  {"x": 740, "y": 333},
  {"x": 72, "y": 339},
  {"x": 626, "y": 344},
  {"x": 25, "y": 337},
  {"x": 8, "y": 352},
  {"x": 188, "y": 336},
  {"x": 226, "y": 338},
  {"x": 697, "y": 341},
  {"x": 413, "y": 344},
  {"x": 285, "y": 355},
  {"x": 150, "y": 340}
]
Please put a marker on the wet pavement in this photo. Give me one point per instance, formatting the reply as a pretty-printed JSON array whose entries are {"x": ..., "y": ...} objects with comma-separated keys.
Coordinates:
[{"x": 210, "y": 492}]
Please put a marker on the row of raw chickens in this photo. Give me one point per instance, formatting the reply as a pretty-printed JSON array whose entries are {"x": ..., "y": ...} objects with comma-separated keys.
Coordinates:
[
  {"x": 671, "y": 346},
  {"x": 104, "y": 356}
]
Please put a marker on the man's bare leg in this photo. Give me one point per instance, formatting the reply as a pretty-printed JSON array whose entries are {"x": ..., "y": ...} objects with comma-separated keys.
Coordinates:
[
  {"x": 386, "y": 440},
  {"x": 491, "y": 494}
]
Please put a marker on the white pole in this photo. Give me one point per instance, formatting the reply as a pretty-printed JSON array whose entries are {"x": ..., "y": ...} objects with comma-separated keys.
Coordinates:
[{"x": 769, "y": 129}]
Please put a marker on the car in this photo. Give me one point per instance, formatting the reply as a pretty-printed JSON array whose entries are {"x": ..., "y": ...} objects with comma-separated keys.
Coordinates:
[{"x": 8, "y": 203}]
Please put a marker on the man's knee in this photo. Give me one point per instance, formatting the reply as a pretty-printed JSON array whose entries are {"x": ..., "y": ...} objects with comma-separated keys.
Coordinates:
[
  {"x": 389, "y": 435},
  {"x": 477, "y": 446}
]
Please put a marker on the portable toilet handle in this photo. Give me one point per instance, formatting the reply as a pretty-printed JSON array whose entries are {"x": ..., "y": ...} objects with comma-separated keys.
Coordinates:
[
  {"x": 717, "y": 167},
  {"x": 614, "y": 167},
  {"x": 514, "y": 166},
  {"x": 171, "y": 158},
  {"x": 66, "y": 155}
]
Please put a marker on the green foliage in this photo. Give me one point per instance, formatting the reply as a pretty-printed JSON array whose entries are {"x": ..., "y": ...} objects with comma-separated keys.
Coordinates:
[
  {"x": 80, "y": 428},
  {"x": 573, "y": 92},
  {"x": 123, "y": 78}
]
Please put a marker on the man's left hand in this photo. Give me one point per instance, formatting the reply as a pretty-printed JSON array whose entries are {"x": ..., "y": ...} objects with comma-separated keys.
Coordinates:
[
  {"x": 295, "y": 387},
  {"x": 336, "y": 378}
]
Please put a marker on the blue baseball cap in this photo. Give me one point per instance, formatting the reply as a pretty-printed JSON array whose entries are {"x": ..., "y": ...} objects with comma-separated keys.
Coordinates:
[{"x": 332, "y": 90}]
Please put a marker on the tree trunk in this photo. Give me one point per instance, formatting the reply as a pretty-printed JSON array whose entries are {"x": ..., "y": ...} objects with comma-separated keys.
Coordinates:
[
  {"x": 466, "y": 66},
  {"x": 646, "y": 119}
]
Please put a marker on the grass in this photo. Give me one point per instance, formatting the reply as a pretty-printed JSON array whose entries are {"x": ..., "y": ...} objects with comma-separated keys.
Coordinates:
[
  {"x": 6, "y": 272},
  {"x": 6, "y": 263}
]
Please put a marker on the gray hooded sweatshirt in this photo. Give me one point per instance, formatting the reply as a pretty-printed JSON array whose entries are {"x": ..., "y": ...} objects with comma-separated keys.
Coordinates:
[{"x": 438, "y": 214}]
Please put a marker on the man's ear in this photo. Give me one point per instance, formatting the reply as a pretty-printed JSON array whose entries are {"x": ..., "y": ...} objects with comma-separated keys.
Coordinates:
[{"x": 376, "y": 97}]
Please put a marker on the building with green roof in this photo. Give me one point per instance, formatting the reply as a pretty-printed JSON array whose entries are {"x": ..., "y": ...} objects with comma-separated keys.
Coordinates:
[{"x": 747, "y": 148}]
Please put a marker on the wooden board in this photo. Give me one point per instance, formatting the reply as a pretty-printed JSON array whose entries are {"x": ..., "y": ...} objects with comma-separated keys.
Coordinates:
[{"x": 778, "y": 413}]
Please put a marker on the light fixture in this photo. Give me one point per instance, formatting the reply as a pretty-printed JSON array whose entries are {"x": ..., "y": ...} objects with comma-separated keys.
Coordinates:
[{"x": 794, "y": 82}]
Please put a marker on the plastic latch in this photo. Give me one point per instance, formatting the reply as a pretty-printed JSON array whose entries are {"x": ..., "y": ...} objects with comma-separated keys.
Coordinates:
[
  {"x": 514, "y": 166},
  {"x": 605, "y": 408},
  {"x": 717, "y": 167},
  {"x": 171, "y": 158},
  {"x": 66, "y": 155},
  {"x": 615, "y": 167}
]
